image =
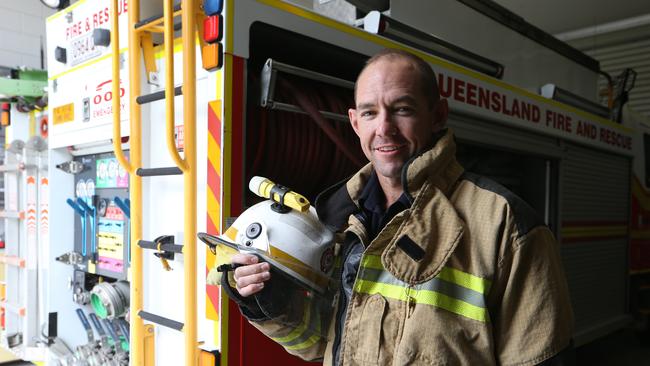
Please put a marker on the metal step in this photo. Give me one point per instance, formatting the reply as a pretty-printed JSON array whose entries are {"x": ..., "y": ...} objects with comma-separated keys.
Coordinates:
[
  {"x": 159, "y": 95},
  {"x": 157, "y": 319},
  {"x": 158, "y": 171},
  {"x": 154, "y": 18},
  {"x": 175, "y": 248}
]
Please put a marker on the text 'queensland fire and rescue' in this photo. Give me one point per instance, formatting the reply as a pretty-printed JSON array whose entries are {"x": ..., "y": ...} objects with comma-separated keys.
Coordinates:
[
  {"x": 100, "y": 17},
  {"x": 479, "y": 96}
]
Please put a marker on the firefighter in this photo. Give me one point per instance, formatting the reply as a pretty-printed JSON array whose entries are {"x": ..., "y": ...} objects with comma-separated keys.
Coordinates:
[{"x": 438, "y": 265}]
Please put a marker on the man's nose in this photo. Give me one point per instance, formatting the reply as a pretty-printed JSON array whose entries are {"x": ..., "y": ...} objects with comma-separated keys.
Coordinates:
[{"x": 386, "y": 125}]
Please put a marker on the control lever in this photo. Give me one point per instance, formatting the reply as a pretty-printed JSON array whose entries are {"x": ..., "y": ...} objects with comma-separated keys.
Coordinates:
[
  {"x": 82, "y": 215},
  {"x": 116, "y": 339},
  {"x": 100, "y": 330},
  {"x": 84, "y": 321},
  {"x": 91, "y": 211},
  {"x": 125, "y": 206},
  {"x": 124, "y": 328}
]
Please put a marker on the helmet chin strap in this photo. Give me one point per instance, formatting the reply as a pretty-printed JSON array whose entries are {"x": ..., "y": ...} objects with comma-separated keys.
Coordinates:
[{"x": 227, "y": 267}]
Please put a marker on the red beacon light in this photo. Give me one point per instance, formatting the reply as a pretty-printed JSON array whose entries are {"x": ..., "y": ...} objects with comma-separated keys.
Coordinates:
[
  {"x": 213, "y": 29},
  {"x": 212, "y": 52}
]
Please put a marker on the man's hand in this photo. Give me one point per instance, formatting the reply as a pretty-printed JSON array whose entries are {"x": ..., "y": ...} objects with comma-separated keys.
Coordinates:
[{"x": 250, "y": 277}]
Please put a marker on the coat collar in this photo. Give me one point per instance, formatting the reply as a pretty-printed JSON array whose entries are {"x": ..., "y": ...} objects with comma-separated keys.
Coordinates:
[
  {"x": 429, "y": 179},
  {"x": 437, "y": 165}
]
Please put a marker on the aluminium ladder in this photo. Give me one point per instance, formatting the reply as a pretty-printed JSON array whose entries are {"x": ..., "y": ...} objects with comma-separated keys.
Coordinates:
[{"x": 25, "y": 219}]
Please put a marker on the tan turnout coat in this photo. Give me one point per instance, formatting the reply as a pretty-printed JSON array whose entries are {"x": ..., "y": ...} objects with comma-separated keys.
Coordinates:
[{"x": 483, "y": 285}]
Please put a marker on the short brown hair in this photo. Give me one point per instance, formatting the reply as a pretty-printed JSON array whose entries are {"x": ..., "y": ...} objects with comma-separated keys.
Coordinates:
[{"x": 428, "y": 77}]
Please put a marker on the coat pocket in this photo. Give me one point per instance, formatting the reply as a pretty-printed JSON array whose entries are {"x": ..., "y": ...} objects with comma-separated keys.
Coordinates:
[{"x": 369, "y": 333}]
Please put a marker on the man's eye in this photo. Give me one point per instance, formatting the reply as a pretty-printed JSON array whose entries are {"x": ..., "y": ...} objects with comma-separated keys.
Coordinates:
[
  {"x": 367, "y": 113},
  {"x": 404, "y": 110}
]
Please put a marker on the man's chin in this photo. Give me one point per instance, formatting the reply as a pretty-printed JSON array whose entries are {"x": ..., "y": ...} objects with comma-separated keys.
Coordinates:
[{"x": 390, "y": 171}]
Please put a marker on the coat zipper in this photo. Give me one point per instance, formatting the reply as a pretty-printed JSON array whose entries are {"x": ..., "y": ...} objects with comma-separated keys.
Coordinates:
[{"x": 344, "y": 306}]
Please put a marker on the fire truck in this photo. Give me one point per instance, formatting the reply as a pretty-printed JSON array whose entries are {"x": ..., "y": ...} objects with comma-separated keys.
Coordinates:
[{"x": 161, "y": 111}]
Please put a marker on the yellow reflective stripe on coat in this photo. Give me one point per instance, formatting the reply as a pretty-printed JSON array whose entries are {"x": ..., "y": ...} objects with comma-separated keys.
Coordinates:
[
  {"x": 372, "y": 261},
  {"x": 304, "y": 335},
  {"x": 306, "y": 344},
  {"x": 447, "y": 273},
  {"x": 467, "y": 280},
  {"x": 452, "y": 290}
]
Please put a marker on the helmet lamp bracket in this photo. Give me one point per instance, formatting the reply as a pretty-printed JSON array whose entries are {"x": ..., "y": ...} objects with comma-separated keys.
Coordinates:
[{"x": 279, "y": 206}]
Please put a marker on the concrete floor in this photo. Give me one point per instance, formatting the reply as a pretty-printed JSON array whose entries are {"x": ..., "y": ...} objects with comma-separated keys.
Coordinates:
[{"x": 621, "y": 348}]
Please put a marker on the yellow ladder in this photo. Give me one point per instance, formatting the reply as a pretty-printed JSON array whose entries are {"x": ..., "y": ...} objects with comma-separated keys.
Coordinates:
[{"x": 139, "y": 40}]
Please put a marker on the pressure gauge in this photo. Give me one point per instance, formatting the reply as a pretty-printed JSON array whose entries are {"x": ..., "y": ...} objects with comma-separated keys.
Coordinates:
[
  {"x": 90, "y": 188},
  {"x": 102, "y": 170},
  {"x": 122, "y": 172},
  {"x": 81, "y": 189},
  {"x": 112, "y": 169}
]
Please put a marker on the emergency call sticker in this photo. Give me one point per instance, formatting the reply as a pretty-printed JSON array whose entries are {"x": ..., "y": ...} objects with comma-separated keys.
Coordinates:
[{"x": 63, "y": 113}]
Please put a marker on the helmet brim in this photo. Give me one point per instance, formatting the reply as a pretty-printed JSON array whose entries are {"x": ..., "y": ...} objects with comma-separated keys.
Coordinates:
[{"x": 283, "y": 265}]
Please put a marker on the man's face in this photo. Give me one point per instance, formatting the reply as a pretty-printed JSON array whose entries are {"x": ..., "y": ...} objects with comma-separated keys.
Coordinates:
[{"x": 393, "y": 118}]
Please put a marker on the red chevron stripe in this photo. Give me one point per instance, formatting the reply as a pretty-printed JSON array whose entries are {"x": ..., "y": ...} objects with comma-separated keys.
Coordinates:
[
  {"x": 214, "y": 124},
  {"x": 214, "y": 178},
  {"x": 214, "y": 185},
  {"x": 214, "y": 182},
  {"x": 213, "y": 295},
  {"x": 211, "y": 227}
]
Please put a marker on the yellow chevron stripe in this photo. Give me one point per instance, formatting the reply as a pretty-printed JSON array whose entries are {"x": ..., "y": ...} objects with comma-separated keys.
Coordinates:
[
  {"x": 220, "y": 326},
  {"x": 214, "y": 154},
  {"x": 213, "y": 208},
  {"x": 213, "y": 216},
  {"x": 211, "y": 311}
]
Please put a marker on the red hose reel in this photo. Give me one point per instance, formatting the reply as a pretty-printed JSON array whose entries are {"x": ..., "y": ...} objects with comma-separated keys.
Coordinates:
[{"x": 305, "y": 152}]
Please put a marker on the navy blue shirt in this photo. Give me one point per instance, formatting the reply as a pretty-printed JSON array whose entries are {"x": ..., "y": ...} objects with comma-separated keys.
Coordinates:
[{"x": 372, "y": 202}]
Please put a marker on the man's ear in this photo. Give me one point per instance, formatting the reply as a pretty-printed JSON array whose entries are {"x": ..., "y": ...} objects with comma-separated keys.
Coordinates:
[
  {"x": 352, "y": 115},
  {"x": 440, "y": 114}
]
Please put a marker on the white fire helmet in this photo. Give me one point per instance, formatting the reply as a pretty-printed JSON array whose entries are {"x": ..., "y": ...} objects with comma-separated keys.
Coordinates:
[{"x": 294, "y": 242}]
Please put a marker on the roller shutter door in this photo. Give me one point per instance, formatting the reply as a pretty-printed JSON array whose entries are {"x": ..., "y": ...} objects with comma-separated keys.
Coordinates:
[{"x": 594, "y": 229}]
